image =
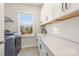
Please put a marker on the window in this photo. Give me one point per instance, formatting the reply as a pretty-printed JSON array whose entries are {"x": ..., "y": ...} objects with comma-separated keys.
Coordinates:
[{"x": 26, "y": 23}]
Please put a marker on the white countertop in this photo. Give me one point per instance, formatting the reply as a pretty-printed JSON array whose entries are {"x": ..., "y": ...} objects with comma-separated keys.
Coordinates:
[{"x": 60, "y": 47}]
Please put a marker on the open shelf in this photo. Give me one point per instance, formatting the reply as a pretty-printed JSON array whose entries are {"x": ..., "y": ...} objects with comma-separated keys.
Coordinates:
[
  {"x": 8, "y": 19},
  {"x": 63, "y": 18}
]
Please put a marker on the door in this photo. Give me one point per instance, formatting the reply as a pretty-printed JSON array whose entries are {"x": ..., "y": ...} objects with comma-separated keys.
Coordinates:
[{"x": 1, "y": 29}]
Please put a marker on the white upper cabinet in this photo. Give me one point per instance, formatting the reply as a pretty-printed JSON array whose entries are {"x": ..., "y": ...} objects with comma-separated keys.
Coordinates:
[
  {"x": 71, "y": 7},
  {"x": 74, "y": 6},
  {"x": 58, "y": 10},
  {"x": 52, "y": 11},
  {"x": 65, "y": 8},
  {"x": 43, "y": 14},
  {"x": 47, "y": 12}
]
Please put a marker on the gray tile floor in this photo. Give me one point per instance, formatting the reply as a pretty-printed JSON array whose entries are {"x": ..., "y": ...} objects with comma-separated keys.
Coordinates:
[{"x": 32, "y": 51}]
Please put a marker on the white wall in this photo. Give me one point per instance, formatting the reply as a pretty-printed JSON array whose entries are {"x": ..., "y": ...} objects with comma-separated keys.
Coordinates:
[
  {"x": 28, "y": 42},
  {"x": 1, "y": 28},
  {"x": 12, "y": 9},
  {"x": 67, "y": 29},
  {"x": 1, "y": 22}
]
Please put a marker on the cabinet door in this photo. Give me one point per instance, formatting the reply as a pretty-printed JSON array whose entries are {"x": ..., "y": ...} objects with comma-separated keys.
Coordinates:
[
  {"x": 40, "y": 47},
  {"x": 72, "y": 7},
  {"x": 49, "y": 53},
  {"x": 58, "y": 10},
  {"x": 46, "y": 12},
  {"x": 43, "y": 49},
  {"x": 46, "y": 51},
  {"x": 50, "y": 12},
  {"x": 41, "y": 16},
  {"x": 43, "y": 13}
]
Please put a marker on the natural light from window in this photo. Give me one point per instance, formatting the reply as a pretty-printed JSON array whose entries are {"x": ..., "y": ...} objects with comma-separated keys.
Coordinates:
[{"x": 26, "y": 23}]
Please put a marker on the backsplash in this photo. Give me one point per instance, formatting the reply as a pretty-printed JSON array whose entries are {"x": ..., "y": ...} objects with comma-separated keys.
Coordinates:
[{"x": 66, "y": 29}]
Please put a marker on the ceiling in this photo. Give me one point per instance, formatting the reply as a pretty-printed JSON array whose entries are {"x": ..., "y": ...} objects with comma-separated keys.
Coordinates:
[
  {"x": 35, "y": 4},
  {"x": 39, "y": 5}
]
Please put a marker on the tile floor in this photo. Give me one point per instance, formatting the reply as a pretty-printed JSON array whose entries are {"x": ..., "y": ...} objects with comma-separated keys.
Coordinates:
[{"x": 32, "y": 51}]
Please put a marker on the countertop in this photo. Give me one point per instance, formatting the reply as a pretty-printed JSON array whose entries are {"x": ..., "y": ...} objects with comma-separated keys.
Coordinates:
[{"x": 59, "y": 46}]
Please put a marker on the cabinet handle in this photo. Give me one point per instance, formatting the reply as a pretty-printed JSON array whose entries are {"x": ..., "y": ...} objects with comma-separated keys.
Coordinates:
[
  {"x": 62, "y": 6},
  {"x": 66, "y": 5}
]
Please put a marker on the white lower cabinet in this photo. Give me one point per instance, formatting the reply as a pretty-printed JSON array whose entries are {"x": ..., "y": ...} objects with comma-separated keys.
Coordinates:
[
  {"x": 43, "y": 49},
  {"x": 40, "y": 47}
]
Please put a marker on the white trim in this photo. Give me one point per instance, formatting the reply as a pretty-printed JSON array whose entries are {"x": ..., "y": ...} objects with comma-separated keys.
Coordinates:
[
  {"x": 28, "y": 12},
  {"x": 18, "y": 14}
]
